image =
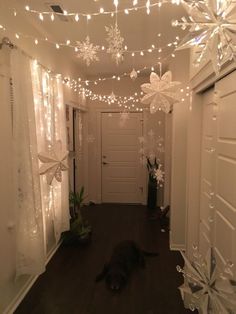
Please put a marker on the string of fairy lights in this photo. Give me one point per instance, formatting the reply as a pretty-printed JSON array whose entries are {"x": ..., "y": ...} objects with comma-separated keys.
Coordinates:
[
  {"x": 78, "y": 15},
  {"x": 80, "y": 85}
]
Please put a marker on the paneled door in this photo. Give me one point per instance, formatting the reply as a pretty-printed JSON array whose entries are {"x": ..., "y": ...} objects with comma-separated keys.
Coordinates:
[
  {"x": 121, "y": 168},
  {"x": 218, "y": 195}
]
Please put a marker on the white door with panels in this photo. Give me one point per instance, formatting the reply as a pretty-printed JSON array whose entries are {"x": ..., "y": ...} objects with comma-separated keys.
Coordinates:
[
  {"x": 218, "y": 193},
  {"x": 121, "y": 168}
]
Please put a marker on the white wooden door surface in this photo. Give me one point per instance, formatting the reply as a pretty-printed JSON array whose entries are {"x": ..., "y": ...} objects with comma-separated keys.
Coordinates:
[
  {"x": 121, "y": 168},
  {"x": 218, "y": 194}
]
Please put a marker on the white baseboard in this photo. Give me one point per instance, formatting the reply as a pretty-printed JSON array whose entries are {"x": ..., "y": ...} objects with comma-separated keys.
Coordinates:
[
  {"x": 27, "y": 286},
  {"x": 177, "y": 247}
]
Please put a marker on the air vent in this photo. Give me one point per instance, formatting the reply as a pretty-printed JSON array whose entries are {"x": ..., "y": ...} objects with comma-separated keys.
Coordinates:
[{"x": 58, "y": 9}]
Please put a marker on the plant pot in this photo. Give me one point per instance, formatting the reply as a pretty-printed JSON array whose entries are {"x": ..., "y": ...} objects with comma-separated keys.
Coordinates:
[{"x": 152, "y": 194}]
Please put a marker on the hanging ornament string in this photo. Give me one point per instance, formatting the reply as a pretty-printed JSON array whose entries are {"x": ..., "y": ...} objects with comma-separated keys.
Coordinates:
[
  {"x": 78, "y": 15},
  {"x": 96, "y": 48}
]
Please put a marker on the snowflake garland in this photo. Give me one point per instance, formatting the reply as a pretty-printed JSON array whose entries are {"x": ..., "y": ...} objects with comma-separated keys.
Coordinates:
[
  {"x": 209, "y": 291},
  {"x": 212, "y": 28},
  {"x": 160, "y": 92},
  {"x": 53, "y": 162},
  {"x": 115, "y": 43},
  {"x": 88, "y": 51}
]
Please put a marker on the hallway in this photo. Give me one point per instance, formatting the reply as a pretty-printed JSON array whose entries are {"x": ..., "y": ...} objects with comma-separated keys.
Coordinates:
[{"x": 68, "y": 284}]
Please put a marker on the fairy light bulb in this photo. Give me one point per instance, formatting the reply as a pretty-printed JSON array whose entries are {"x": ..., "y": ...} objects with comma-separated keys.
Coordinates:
[
  {"x": 89, "y": 17},
  {"x": 126, "y": 11},
  {"x": 65, "y": 12},
  {"x": 27, "y": 8},
  {"x": 57, "y": 46},
  {"x": 41, "y": 16},
  {"x": 52, "y": 17},
  {"x": 76, "y": 17},
  {"x": 68, "y": 42},
  {"x": 17, "y": 36},
  {"x": 36, "y": 41},
  {"x": 101, "y": 10},
  {"x": 135, "y": 2}
]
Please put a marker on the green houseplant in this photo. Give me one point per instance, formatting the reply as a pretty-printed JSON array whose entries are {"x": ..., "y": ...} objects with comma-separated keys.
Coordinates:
[{"x": 80, "y": 230}]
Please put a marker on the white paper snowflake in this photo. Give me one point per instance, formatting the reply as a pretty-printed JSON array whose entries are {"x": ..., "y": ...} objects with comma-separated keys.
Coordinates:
[
  {"x": 112, "y": 97},
  {"x": 53, "y": 162},
  {"x": 133, "y": 75},
  {"x": 115, "y": 43},
  {"x": 159, "y": 174},
  {"x": 160, "y": 92},
  {"x": 88, "y": 51},
  {"x": 212, "y": 28},
  {"x": 141, "y": 139},
  {"x": 124, "y": 116},
  {"x": 209, "y": 290}
]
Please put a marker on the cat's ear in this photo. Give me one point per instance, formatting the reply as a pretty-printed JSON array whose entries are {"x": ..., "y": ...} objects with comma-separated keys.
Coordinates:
[{"x": 102, "y": 275}]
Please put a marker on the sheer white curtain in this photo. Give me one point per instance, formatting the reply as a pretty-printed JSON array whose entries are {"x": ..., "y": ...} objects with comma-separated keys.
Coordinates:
[
  {"x": 39, "y": 122},
  {"x": 51, "y": 127},
  {"x": 30, "y": 254}
]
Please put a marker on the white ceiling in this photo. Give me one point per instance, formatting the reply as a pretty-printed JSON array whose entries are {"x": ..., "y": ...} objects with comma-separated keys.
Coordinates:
[{"x": 139, "y": 30}]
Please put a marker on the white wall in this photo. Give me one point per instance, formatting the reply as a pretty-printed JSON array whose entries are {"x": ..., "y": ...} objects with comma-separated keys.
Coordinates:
[
  {"x": 180, "y": 69},
  {"x": 11, "y": 289}
]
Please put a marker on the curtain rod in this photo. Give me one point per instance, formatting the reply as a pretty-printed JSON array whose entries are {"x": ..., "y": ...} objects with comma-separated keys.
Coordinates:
[{"x": 6, "y": 41}]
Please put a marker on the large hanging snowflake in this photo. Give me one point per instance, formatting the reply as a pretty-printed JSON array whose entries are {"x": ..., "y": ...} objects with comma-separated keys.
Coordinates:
[
  {"x": 88, "y": 51},
  {"x": 53, "y": 162},
  {"x": 160, "y": 92},
  {"x": 209, "y": 291},
  {"x": 115, "y": 43},
  {"x": 212, "y": 26}
]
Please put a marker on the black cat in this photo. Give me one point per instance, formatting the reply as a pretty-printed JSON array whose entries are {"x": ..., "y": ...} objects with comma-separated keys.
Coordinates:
[{"x": 125, "y": 257}]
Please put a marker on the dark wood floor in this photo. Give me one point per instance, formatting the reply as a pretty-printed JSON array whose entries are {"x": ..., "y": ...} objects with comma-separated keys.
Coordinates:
[{"x": 68, "y": 284}]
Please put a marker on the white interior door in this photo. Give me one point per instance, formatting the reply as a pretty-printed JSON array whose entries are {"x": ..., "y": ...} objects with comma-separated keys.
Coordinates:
[
  {"x": 121, "y": 168},
  {"x": 218, "y": 193}
]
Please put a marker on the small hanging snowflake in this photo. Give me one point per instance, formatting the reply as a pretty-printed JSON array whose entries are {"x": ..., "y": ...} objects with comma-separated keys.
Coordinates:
[
  {"x": 159, "y": 174},
  {"x": 88, "y": 51},
  {"x": 124, "y": 116},
  {"x": 115, "y": 42},
  {"x": 112, "y": 97},
  {"x": 133, "y": 75}
]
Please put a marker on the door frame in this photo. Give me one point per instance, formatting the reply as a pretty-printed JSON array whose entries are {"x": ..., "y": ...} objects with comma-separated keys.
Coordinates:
[{"x": 99, "y": 153}]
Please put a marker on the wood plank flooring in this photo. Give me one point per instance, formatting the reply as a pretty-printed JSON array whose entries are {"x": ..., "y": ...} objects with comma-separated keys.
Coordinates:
[{"x": 68, "y": 284}]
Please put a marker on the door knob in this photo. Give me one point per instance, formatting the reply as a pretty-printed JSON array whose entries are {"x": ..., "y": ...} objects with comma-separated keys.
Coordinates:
[{"x": 105, "y": 163}]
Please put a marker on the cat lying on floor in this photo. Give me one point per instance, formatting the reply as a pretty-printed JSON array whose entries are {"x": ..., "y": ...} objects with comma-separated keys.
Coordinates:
[{"x": 125, "y": 257}]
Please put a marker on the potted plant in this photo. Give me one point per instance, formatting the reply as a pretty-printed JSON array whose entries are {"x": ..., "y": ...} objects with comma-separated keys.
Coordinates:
[{"x": 80, "y": 230}]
